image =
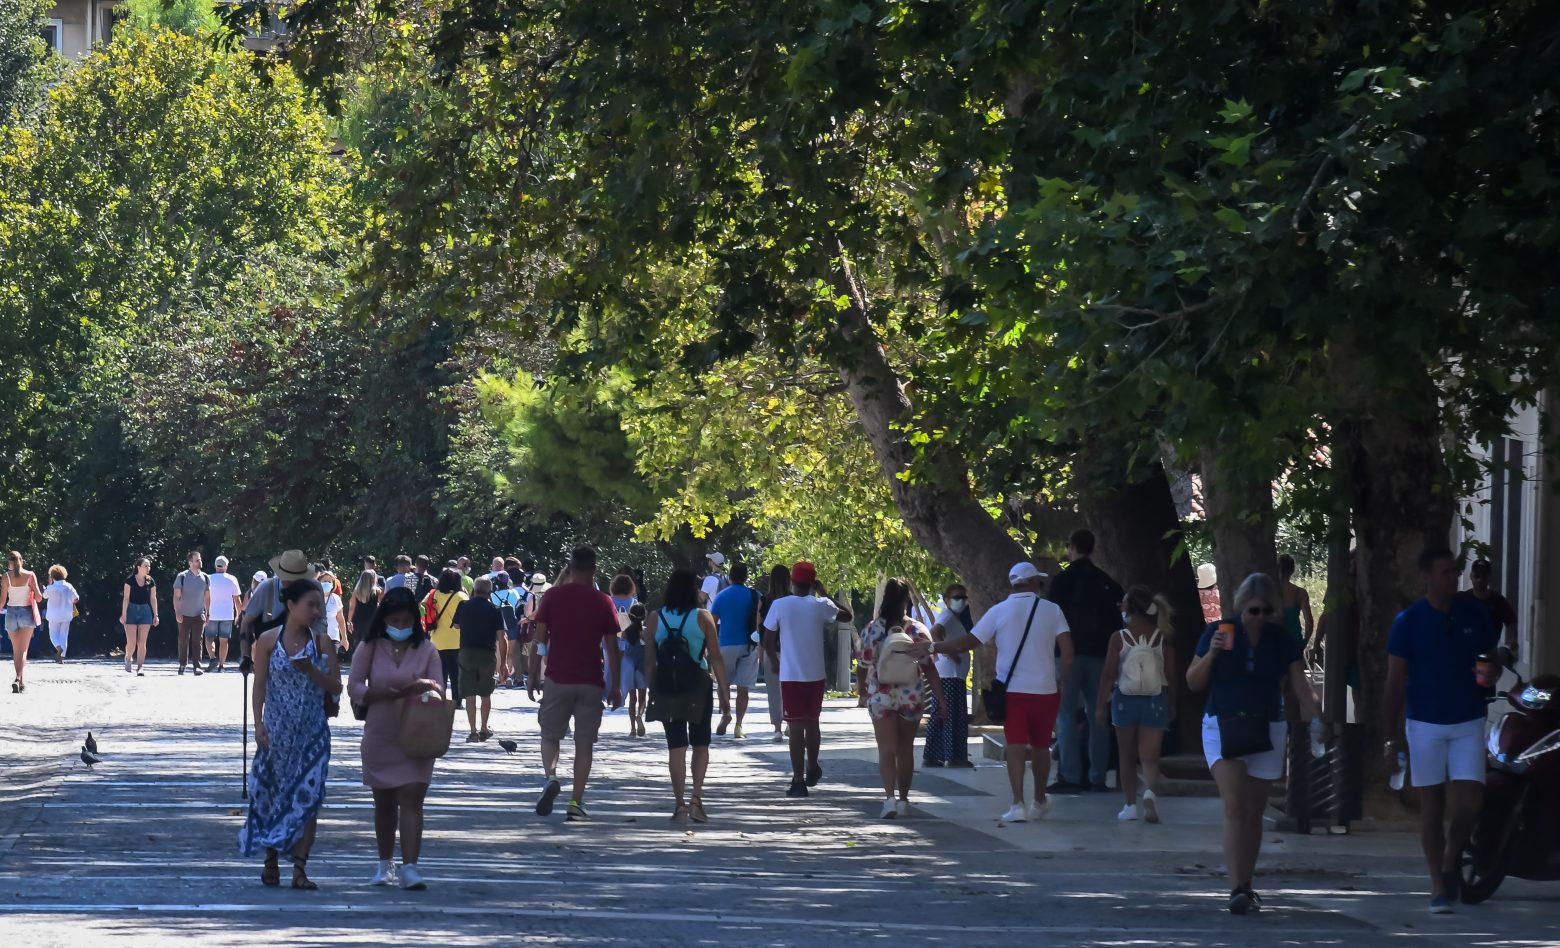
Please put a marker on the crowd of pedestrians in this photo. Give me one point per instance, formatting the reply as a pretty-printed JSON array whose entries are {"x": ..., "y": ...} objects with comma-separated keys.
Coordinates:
[{"x": 1078, "y": 647}]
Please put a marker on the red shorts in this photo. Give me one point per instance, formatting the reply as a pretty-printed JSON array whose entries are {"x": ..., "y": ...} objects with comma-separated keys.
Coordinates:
[
  {"x": 1031, "y": 719},
  {"x": 803, "y": 700}
]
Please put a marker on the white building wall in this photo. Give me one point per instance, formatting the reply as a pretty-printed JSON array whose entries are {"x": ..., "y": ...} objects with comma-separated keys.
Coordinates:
[{"x": 1502, "y": 515}]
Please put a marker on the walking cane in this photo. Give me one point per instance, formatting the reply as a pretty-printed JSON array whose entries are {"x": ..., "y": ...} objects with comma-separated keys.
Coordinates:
[{"x": 244, "y": 774}]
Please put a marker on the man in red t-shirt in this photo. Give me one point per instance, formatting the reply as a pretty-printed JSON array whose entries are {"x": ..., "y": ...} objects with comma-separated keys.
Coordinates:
[{"x": 571, "y": 625}]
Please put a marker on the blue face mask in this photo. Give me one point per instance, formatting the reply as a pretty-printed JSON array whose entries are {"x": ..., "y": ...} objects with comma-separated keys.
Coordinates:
[{"x": 398, "y": 633}]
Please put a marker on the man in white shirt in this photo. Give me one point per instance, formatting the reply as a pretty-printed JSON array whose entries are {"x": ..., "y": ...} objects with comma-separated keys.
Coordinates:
[
  {"x": 714, "y": 580},
  {"x": 223, "y": 595},
  {"x": 794, "y": 640},
  {"x": 1029, "y": 632}
]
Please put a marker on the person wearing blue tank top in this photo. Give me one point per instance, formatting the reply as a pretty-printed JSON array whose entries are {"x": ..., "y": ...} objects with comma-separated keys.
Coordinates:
[{"x": 685, "y": 714}]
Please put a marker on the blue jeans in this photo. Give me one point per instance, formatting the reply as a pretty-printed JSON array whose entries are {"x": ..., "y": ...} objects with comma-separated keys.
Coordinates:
[{"x": 1082, "y": 687}]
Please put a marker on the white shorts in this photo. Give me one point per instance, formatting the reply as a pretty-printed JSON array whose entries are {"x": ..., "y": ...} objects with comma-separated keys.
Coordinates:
[
  {"x": 1441, "y": 752},
  {"x": 1268, "y": 765}
]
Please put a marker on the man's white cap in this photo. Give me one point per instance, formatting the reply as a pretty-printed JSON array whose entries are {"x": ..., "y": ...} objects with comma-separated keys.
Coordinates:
[
  {"x": 222, "y": 562},
  {"x": 1023, "y": 571},
  {"x": 717, "y": 559},
  {"x": 260, "y": 576},
  {"x": 1207, "y": 576}
]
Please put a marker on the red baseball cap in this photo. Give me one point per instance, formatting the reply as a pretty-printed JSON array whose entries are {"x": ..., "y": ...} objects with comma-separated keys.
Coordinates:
[{"x": 804, "y": 573}]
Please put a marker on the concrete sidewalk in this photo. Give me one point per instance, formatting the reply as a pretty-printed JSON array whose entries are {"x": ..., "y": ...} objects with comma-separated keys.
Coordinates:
[
  {"x": 141, "y": 849},
  {"x": 1375, "y": 877}
]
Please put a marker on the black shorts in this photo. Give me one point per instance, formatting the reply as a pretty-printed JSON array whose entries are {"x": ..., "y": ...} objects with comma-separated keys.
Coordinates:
[{"x": 687, "y": 733}]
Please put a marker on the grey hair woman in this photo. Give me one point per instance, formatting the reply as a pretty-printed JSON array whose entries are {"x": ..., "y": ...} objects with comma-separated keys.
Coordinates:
[{"x": 1242, "y": 662}]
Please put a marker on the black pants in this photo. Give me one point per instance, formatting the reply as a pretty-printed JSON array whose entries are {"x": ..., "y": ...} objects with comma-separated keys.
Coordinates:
[{"x": 449, "y": 662}]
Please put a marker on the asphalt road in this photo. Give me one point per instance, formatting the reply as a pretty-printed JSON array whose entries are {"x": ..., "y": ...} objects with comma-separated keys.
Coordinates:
[{"x": 142, "y": 849}]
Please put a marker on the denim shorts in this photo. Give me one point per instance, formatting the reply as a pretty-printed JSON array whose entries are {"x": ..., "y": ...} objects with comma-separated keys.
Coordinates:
[
  {"x": 18, "y": 617},
  {"x": 219, "y": 629},
  {"x": 1151, "y": 711},
  {"x": 138, "y": 614}
]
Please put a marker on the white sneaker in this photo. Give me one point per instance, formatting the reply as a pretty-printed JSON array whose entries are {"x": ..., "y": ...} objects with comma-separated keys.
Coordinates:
[
  {"x": 1150, "y": 807},
  {"x": 384, "y": 875},
  {"x": 1128, "y": 812},
  {"x": 1014, "y": 814},
  {"x": 904, "y": 807},
  {"x": 1039, "y": 811},
  {"x": 412, "y": 879},
  {"x": 890, "y": 809}
]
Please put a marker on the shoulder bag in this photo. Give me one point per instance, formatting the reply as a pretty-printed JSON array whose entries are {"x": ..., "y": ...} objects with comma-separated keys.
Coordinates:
[
  {"x": 1242, "y": 733},
  {"x": 995, "y": 697},
  {"x": 427, "y": 721}
]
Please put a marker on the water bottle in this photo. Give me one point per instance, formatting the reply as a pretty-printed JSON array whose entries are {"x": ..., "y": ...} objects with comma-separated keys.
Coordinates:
[
  {"x": 1398, "y": 771},
  {"x": 1318, "y": 746}
]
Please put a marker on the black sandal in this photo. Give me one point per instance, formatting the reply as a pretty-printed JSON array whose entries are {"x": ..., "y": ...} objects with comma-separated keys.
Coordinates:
[
  {"x": 300, "y": 880},
  {"x": 271, "y": 875}
]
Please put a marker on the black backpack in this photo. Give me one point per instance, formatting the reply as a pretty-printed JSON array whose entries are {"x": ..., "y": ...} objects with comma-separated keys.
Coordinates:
[
  {"x": 506, "y": 611},
  {"x": 676, "y": 670}
]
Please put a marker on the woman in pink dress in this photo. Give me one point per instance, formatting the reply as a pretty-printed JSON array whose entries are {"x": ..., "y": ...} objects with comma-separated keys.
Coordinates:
[{"x": 394, "y": 660}]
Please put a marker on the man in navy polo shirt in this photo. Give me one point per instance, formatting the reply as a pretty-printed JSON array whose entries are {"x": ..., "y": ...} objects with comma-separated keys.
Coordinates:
[{"x": 1430, "y": 659}]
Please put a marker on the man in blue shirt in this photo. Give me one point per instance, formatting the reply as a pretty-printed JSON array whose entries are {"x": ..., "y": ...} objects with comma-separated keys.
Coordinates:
[
  {"x": 736, "y": 618},
  {"x": 1431, "y": 654}
]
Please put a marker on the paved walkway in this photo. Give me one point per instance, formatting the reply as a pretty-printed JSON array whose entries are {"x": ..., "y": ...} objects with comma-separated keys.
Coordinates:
[{"x": 142, "y": 849}]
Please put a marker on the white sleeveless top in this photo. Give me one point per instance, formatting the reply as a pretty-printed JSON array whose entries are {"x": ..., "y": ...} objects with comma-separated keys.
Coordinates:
[{"x": 17, "y": 597}]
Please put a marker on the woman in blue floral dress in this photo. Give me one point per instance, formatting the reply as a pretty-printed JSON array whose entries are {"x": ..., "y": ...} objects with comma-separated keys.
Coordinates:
[
  {"x": 295, "y": 673},
  {"x": 895, "y": 706}
]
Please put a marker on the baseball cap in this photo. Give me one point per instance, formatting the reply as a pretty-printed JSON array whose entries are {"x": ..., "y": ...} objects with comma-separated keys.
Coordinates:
[
  {"x": 1023, "y": 571},
  {"x": 222, "y": 562},
  {"x": 804, "y": 573},
  {"x": 716, "y": 558},
  {"x": 260, "y": 576}
]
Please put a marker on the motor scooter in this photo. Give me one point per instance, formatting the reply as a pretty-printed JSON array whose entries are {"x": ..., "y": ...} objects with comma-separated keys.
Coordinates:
[{"x": 1518, "y": 833}]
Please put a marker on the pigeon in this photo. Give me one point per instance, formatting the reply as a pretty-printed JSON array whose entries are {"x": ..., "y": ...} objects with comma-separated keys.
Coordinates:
[
  {"x": 89, "y": 758},
  {"x": 91, "y": 745},
  {"x": 509, "y": 746}
]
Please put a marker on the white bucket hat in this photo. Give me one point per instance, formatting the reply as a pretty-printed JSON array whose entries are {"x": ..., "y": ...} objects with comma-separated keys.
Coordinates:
[{"x": 1207, "y": 576}]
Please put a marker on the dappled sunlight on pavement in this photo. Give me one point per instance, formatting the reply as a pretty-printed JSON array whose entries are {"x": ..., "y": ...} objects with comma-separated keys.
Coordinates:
[{"x": 142, "y": 848}]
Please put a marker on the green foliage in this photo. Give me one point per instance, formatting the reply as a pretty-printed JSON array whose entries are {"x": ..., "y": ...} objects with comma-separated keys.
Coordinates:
[
  {"x": 194, "y": 17},
  {"x": 184, "y": 375},
  {"x": 26, "y": 63}
]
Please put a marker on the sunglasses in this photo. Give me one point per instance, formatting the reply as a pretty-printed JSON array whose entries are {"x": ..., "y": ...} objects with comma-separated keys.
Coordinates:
[{"x": 1259, "y": 611}]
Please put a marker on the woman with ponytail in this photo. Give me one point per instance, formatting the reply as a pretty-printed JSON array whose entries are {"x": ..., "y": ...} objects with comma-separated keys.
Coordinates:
[{"x": 1138, "y": 690}]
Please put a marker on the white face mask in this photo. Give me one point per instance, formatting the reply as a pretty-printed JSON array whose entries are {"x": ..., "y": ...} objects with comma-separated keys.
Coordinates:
[{"x": 957, "y": 605}]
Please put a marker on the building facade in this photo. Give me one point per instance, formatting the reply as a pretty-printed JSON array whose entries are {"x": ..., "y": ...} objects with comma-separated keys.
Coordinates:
[
  {"x": 76, "y": 26},
  {"x": 1513, "y": 518}
]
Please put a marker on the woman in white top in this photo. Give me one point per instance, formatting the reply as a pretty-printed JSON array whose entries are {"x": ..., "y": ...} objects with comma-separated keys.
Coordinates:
[
  {"x": 21, "y": 614},
  {"x": 61, "y": 598},
  {"x": 948, "y": 737},
  {"x": 1136, "y": 686},
  {"x": 335, "y": 615}
]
